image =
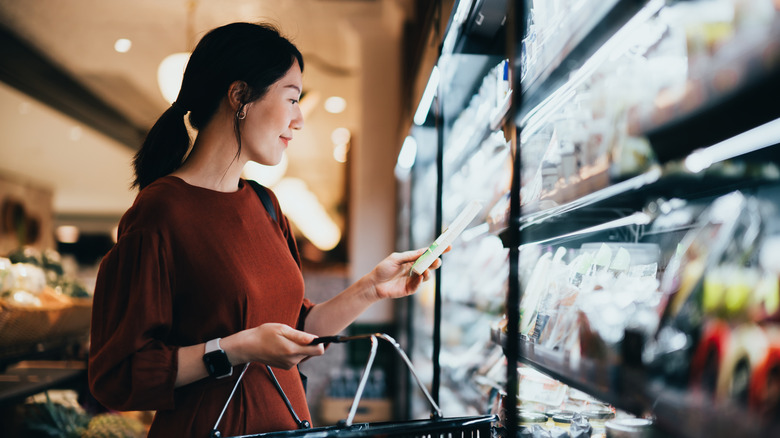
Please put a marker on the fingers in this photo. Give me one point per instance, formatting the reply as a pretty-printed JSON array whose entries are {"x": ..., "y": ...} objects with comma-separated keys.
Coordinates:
[
  {"x": 297, "y": 336},
  {"x": 303, "y": 342},
  {"x": 282, "y": 346},
  {"x": 435, "y": 265},
  {"x": 408, "y": 256}
]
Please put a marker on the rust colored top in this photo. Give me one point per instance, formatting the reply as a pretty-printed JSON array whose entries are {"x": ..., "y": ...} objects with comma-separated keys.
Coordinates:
[{"x": 193, "y": 264}]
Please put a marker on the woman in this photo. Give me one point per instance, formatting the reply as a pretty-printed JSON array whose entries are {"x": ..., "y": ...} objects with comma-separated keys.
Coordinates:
[{"x": 202, "y": 279}]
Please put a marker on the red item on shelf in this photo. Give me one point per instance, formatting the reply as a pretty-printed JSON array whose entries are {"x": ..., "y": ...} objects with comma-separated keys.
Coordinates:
[
  {"x": 764, "y": 395},
  {"x": 706, "y": 361}
]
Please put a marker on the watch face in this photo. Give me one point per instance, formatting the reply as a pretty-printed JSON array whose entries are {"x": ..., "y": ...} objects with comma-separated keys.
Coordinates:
[{"x": 217, "y": 364}]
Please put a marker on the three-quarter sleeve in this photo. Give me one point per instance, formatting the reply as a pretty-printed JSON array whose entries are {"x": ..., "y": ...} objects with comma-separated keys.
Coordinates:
[{"x": 130, "y": 366}]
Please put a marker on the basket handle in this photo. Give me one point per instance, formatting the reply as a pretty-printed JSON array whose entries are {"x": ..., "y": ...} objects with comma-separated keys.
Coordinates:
[
  {"x": 436, "y": 411},
  {"x": 215, "y": 433}
]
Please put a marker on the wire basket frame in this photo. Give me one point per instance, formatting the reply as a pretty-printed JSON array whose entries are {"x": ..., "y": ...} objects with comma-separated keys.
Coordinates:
[{"x": 435, "y": 427}]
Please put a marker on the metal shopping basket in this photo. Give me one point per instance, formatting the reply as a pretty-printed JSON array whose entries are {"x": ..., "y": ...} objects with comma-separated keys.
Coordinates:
[{"x": 435, "y": 427}]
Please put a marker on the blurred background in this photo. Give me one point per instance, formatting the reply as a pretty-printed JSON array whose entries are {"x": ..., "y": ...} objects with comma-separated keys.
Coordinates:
[{"x": 82, "y": 81}]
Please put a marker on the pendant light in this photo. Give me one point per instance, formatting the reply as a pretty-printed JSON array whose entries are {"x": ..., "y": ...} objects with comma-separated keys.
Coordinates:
[{"x": 171, "y": 70}]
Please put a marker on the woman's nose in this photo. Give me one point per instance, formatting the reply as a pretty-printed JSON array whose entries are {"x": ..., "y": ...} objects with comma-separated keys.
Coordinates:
[{"x": 297, "y": 121}]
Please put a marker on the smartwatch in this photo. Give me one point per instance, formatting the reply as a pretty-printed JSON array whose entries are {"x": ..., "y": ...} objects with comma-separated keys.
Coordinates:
[{"x": 216, "y": 360}]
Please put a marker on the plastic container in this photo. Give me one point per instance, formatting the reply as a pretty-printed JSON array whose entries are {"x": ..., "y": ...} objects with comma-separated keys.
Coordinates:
[
  {"x": 629, "y": 428},
  {"x": 529, "y": 418},
  {"x": 562, "y": 420},
  {"x": 597, "y": 417},
  {"x": 641, "y": 253}
]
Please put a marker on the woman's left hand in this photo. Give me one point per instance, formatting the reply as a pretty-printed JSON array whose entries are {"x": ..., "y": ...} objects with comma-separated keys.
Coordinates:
[{"x": 393, "y": 276}]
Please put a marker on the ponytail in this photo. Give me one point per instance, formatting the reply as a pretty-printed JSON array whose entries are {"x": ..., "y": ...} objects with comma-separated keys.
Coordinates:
[{"x": 164, "y": 148}]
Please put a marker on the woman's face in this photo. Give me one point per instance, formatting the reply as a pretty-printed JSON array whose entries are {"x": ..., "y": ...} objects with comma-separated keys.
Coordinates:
[{"x": 270, "y": 120}]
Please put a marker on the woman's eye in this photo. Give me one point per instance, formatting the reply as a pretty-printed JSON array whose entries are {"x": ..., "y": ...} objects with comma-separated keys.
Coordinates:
[{"x": 294, "y": 101}]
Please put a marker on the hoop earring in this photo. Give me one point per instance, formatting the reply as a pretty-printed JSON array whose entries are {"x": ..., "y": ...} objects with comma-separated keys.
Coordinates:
[{"x": 241, "y": 113}]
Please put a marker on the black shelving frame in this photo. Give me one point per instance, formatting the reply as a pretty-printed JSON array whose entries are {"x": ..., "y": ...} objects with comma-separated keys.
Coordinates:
[{"x": 476, "y": 55}]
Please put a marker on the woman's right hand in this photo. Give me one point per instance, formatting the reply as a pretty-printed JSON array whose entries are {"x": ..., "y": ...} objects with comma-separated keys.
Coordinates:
[{"x": 277, "y": 345}]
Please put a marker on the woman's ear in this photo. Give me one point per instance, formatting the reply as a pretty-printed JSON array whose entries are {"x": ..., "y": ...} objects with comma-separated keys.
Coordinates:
[{"x": 237, "y": 94}]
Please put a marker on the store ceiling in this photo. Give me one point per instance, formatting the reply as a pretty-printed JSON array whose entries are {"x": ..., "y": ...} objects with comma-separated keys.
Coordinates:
[{"x": 88, "y": 171}]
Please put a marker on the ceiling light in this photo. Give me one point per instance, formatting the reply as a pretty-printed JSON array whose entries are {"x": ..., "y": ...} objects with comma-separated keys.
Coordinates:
[
  {"x": 170, "y": 74},
  {"x": 340, "y": 153},
  {"x": 340, "y": 136},
  {"x": 268, "y": 176},
  {"x": 335, "y": 104},
  {"x": 75, "y": 133},
  {"x": 123, "y": 45},
  {"x": 303, "y": 208},
  {"x": 67, "y": 234},
  {"x": 427, "y": 98}
]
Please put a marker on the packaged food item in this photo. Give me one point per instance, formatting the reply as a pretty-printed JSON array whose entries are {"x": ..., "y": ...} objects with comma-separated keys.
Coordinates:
[
  {"x": 629, "y": 428},
  {"x": 713, "y": 275},
  {"x": 597, "y": 417},
  {"x": 748, "y": 348},
  {"x": 765, "y": 304},
  {"x": 727, "y": 289},
  {"x": 604, "y": 288},
  {"x": 764, "y": 396},
  {"x": 560, "y": 412},
  {"x": 534, "y": 386},
  {"x": 581, "y": 427},
  {"x": 728, "y": 358},
  {"x": 530, "y": 418},
  {"x": 727, "y": 232},
  {"x": 554, "y": 289},
  {"x": 562, "y": 420},
  {"x": 706, "y": 361},
  {"x": 533, "y": 293}
]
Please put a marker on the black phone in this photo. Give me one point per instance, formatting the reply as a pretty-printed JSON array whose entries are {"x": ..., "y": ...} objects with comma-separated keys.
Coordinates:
[{"x": 327, "y": 340}]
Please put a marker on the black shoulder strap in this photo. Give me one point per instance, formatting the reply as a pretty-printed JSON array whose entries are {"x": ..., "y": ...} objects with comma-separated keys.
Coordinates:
[{"x": 265, "y": 198}]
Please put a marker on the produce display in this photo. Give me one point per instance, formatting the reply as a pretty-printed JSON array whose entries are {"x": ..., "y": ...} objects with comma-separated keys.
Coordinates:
[
  {"x": 64, "y": 418},
  {"x": 38, "y": 300}
]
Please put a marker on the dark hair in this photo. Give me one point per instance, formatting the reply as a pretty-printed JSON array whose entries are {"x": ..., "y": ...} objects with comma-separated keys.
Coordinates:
[{"x": 256, "y": 54}]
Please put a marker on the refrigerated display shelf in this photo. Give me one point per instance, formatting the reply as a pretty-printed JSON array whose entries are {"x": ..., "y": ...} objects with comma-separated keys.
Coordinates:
[
  {"x": 679, "y": 411},
  {"x": 481, "y": 32},
  {"x": 619, "y": 380},
  {"x": 478, "y": 135},
  {"x": 721, "y": 116},
  {"x": 596, "y": 30},
  {"x": 467, "y": 395},
  {"x": 599, "y": 379},
  {"x": 462, "y": 76},
  {"x": 618, "y": 202}
]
